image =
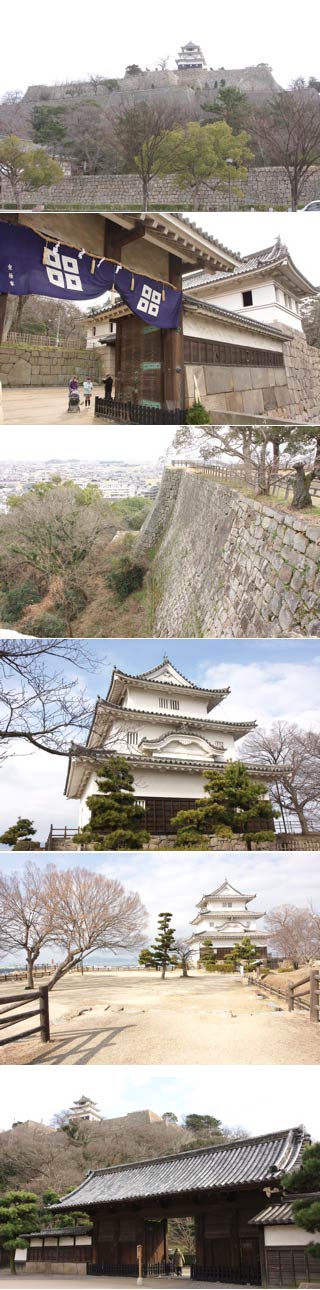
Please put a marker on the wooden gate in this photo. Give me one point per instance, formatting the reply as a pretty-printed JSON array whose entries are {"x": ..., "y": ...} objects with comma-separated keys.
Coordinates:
[
  {"x": 161, "y": 810},
  {"x": 139, "y": 362}
]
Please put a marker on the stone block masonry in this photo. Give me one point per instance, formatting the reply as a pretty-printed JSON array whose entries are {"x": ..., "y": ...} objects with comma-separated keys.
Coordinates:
[
  {"x": 229, "y": 565},
  {"x": 265, "y": 187},
  {"x": 29, "y": 365}
]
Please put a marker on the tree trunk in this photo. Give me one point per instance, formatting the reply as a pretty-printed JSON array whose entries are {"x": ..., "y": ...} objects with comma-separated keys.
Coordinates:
[
  {"x": 12, "y": 1262},
  {"x": 316, "y": 464},
  {"x": 145, "y": 191},
  {"x": 301, "y": 489},
  {"x": 30, "y": 976},
  {"x": 184, "y": 969},
  {"x": 163, "y": 970}
]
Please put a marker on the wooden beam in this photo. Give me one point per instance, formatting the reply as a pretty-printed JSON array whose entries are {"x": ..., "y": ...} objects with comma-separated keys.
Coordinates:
[
  {"x": 173, "y": 358},
  {"x": 116, "y": 238},
  {"x": 3, "y": 312}
]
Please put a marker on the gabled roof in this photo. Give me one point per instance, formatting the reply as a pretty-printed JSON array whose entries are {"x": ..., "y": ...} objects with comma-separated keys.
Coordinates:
[
  {"x": 225, "y": 887},
  {"x": 275, "y": 256},
  {"x": 169, "y": 677},
  {"x": 241, "y": 1163}
]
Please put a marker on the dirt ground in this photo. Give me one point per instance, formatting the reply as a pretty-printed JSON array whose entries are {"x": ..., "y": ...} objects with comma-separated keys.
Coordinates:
[
  {"x": 132, "y": 1017},
  {"x": 73, "y": 1283},
  {"x": 45, "y": 406}
]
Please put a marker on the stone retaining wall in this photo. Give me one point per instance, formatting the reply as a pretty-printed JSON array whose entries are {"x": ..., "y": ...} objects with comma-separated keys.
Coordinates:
[
  {"x": 29, "y": 365},
  {"x": 290, "y": 392},
  {"x": 265, "y": 187},
  {"x": 228, "y": 565}
]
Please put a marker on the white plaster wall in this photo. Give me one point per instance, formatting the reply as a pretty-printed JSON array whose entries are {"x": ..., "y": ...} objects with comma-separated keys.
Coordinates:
[
  {"x": 192, "y": 705},
  {"x": 271, "y": 304},
  {"x": 159, "y": 729},
  {"x": 152, "y": 783},
  {"x": 288, "y": 1235},
  {"x": 229, "y": 333},
  {"x": 103, "y": 328}
]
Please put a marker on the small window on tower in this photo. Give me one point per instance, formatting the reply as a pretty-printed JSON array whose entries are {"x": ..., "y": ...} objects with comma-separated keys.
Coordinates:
[
  {"x": 247, "y": 299},
  {"x": 163, "y": 703},
  {"x": 227, "y": 904},
  {"x": 174, "y": 703},
  {"x": 132, "y": 737}
]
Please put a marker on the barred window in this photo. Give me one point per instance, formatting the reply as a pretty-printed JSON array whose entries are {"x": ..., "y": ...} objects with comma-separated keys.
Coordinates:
[
  {"x": 218, "y": 353},
  {"x": 132, "y": 737}
]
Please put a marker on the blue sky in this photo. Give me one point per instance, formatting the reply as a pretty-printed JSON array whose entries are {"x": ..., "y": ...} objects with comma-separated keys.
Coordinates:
[
  {"x": 261, "y": 1099},
  {"x": 269, "y": 679}
]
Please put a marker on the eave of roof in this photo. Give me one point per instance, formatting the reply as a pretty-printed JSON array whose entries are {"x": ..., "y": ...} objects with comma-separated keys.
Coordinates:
[
  {"x": 277, "y": 1214},
  {"x": 105, "y": 708},
  {"x": 91, "y": 756},
  {"x": 240, "y": 1163},
  {"x": 141, "y": 677}
]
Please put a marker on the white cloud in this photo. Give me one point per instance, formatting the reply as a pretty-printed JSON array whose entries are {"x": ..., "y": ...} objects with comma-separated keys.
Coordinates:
[{"x": 267, "y": 691}]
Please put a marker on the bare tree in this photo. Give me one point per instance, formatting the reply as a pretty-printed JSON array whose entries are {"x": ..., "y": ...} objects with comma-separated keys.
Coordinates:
[
  {"x": 183, "y": 953},
  {"x": 90, "y": 913},
  {"x": 53, "y": 535},
  {"x": 140, "y": 129},
  {"x": 288, "y": 133},
  {"x": 294, "y": 933},
  {"x": 26, "y": 920},
  {"x": 254, "y": 448},
  {"x": 38, "y": 704},
  {"x": 296, "y": 753}
]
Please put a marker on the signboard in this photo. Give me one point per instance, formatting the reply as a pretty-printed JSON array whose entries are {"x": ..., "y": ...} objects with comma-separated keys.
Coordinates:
[{"x": 31, "y": 265}]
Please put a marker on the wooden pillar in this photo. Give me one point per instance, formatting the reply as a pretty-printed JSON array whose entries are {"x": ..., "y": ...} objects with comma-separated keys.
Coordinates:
[
  {"x": 3, "y": 311},
  {"x": 173, "y": 358}
]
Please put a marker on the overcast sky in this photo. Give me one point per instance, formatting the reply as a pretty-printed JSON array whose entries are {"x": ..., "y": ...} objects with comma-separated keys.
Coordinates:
[
  {"x": 42, "y": 443},
  {"x": 67, "y": 47},
  {"x": 263, "y": 1100},
  {"x": 269, "y": 679}
]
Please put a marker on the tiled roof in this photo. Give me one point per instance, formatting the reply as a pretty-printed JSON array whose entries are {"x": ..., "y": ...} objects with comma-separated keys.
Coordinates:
[
  {"x": 176, "y": 717},
  {"x": 148, "y": 676},
  {"x": 274, "y": 1214},
  {"x": 257, "y": 260},
  {"x": 240, "y": 1163}
]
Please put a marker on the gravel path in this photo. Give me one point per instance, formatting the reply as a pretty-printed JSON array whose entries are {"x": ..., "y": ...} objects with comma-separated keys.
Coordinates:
[{"x": 135, "y": 1018}]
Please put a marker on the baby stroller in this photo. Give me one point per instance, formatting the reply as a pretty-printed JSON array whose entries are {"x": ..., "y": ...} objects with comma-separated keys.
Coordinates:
[{"x": 74, "y": 401}]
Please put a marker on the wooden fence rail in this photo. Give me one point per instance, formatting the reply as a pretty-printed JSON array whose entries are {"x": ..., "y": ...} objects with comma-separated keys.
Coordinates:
[
  {"x": 9, "y": 1016},
  {"x": 307, "y": 998}
]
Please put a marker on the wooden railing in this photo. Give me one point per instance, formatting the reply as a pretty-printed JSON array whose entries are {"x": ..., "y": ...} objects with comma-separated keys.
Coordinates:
[
  {"x": 9, "y": 1016},
  {"x": 48, "y": 342},
  {"x": 58, "y": 834},
  {"x": 307, "y": 997},
  {"x": 311, "y": 987}
]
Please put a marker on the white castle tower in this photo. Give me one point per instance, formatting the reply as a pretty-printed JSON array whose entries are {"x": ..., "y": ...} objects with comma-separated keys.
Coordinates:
[
  {"x": 190, "y": 56},
  {"x": 163, "y": 725},
  {"x": 224, "y": 919},
  {"x": 85, "y": 1109}
]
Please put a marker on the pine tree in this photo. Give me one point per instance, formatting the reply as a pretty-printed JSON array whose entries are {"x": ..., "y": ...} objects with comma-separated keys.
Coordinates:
[
  {"x": 19, "y": 836},
  {"x": 117, "y": 821},
  {"x": 164, "y": 949},
  {"x": 306, "y": 1181},
  {"x": 242, "y": 952},
  {"x": 19, "y": 1212},
  {"x": 234, "y": 803}
]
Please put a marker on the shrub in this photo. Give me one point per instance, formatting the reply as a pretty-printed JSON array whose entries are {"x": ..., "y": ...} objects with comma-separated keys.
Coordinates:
[
  {"x": 16, "y": 600},
  {"x": 48, "y": 625},
  {"x": 197, "y": 415},
  {"x": 126, "y": 578}
]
